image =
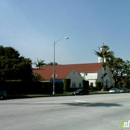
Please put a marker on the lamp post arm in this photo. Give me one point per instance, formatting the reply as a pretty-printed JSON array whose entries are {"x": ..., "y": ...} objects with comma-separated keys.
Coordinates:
[
  {"x": 58, "y": 40},
  {"x": 61, "y": 39}
]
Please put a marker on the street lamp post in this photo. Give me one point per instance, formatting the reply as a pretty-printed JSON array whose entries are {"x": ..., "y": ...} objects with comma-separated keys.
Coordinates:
[{"x": 54, "y": 74}]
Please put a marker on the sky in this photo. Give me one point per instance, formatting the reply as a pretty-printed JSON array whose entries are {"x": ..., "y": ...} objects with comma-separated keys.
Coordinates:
[{"x": 32, "y": 26}]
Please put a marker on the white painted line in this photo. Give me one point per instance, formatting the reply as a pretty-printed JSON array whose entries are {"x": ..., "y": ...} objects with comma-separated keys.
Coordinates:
[{"x": 80, "y": 101}]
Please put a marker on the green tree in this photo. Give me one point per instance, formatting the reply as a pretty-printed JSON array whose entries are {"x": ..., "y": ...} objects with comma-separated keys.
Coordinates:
[
  {"x": 37, "y": 77},
  {"x": 120, "y": 70},
  {"x": 13, "y": 66},
  {"x": 51, "y": 63},
  {"x": 39, "y": 63}
]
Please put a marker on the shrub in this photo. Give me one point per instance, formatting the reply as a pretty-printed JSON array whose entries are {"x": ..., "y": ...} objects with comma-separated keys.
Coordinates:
[
  {"x": 66, "y": 84},
  {"x": 98, "y": 85},
  {"x": 91, "y": 87},
  {"x": 85, "y": 84}
]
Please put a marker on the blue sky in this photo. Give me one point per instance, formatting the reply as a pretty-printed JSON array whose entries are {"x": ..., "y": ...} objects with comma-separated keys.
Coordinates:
[{"x": 32, "y": 26}]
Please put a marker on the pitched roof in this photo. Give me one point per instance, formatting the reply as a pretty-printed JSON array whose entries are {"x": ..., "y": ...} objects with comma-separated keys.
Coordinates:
[{"x": 62, "y": 70}]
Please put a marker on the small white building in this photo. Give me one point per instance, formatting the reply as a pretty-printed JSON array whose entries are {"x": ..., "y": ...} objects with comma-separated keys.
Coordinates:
[{"x": 92, "y": 72}]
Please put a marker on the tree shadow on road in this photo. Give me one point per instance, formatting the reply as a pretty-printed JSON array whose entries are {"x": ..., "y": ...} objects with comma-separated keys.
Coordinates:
[{"x": 94, "y": 104}]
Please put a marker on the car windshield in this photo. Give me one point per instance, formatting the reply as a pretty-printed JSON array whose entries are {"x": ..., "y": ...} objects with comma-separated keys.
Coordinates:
[
  {"x": 113, "y": 88},
  {"x": 124, "y": 88},
  {"x": 2, "y": 91},
  {"x": 78, "y": 90}
]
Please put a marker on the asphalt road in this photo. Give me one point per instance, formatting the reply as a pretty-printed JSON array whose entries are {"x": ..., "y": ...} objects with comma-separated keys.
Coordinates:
[{"x": 89, "y": 112}]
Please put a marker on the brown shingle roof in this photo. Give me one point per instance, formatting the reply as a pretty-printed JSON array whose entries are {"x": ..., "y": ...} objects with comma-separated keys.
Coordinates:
[{"x": 62, "y": 70}]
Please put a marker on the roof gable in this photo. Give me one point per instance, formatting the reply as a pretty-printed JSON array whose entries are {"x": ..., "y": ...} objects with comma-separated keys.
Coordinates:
[{"x": 74, "y": 73}]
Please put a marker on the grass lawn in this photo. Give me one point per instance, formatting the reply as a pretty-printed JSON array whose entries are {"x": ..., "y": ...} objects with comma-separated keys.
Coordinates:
[
  {"x": 15, "y": 96},
  {"x": 99, "y": 92}
]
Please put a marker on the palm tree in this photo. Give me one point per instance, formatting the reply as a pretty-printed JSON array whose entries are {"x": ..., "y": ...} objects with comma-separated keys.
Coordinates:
[
  {"x": 104, "y": 54},
  {"x": 39, "y": 63}
]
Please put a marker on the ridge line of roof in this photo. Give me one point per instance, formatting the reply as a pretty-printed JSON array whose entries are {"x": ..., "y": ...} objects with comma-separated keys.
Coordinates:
[{"x": 80, "y": 63}]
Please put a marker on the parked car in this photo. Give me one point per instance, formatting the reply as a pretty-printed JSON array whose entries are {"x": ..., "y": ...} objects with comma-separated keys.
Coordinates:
[
  {"x": 3, "y": 95},
  {"x": 114, "y": 90},
  {"x": 81, "y": 91},
  {"x": 124, "y": 90}
]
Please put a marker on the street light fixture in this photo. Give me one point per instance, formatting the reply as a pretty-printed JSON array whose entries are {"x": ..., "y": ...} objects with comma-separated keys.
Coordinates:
[{"x": 54, "y": 64}]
